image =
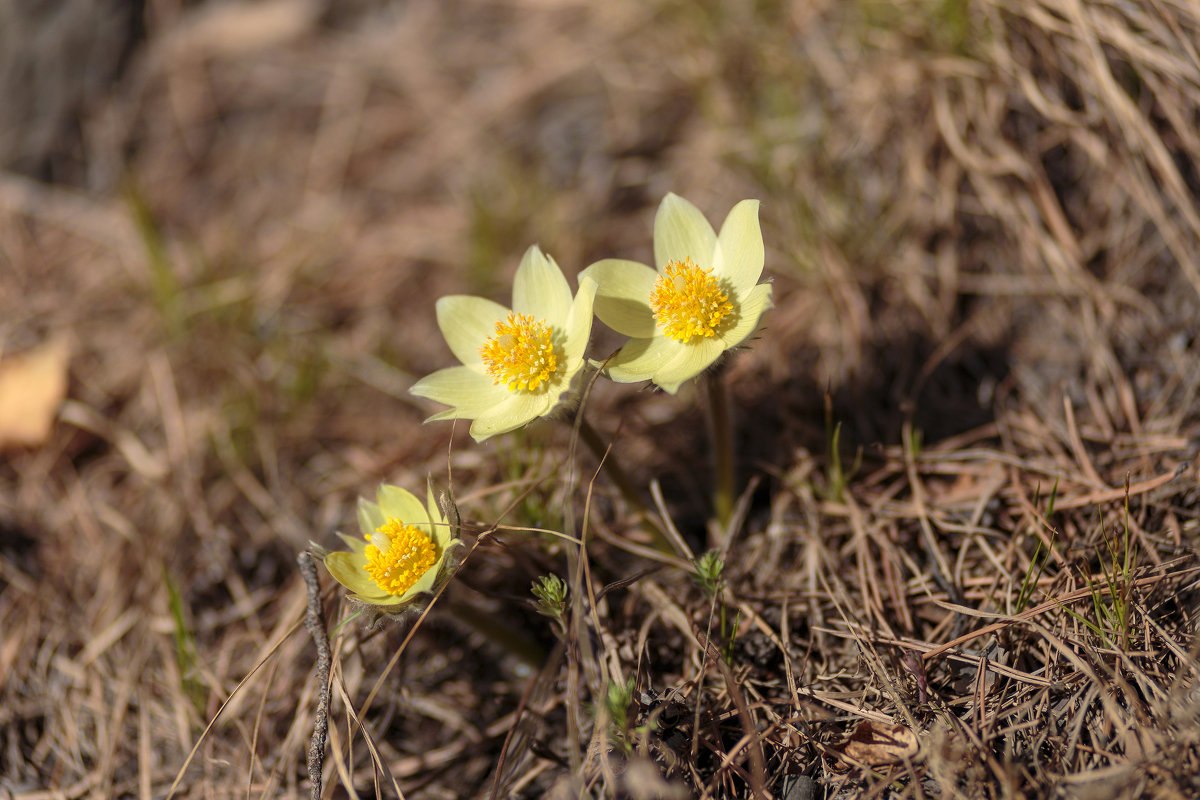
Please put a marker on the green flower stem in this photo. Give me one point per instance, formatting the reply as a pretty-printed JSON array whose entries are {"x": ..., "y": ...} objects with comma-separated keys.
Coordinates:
[
  {"x": 721, "y": 431},
  {"x": 498, "y": 632},
  {"x": 624, "y": 484}
]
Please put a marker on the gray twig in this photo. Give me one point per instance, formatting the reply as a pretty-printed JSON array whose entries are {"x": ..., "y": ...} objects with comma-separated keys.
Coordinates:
[{"x": 314, "y": 621}]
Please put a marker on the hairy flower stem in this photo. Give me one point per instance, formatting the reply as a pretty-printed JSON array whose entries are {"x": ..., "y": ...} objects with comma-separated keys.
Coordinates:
[
  {"x": 721, "y": 431},
  {"x": 624, "y": 484}
]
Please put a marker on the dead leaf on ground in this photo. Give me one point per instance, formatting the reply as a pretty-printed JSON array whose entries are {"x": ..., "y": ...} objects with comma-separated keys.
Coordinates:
[
  {"x": 877, "y": 744},
  {"x": 32, "y": 386}
]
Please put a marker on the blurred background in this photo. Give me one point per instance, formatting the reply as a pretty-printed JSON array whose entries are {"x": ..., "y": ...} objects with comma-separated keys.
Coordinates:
[{"x": 234, "y": 217}]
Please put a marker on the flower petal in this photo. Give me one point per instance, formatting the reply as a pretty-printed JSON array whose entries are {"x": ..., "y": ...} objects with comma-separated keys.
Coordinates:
[
  {"x": 539, "y": 288},
  {"x": 443, "y": 532},
  {"x": 356, "y": 545},
  {"x": 578, "y": 327},
  {"x": 467, "y": 322},
  {"x": 520, "y": 409},
  {"x": 439, "y": 526},
  {"x": 470, "y": 393},
  {"x": 640, "y": 359},
  {"x": 344, "y": 571},
  {"x": 750, "y": 312},
  {"x": 681, "y": 231},
  {"x": 425, "y": 584},
  {"x": 431, "y": 504},
  {"x": 623, "y": 295},
  {"x": 739, "y": 253},
  {"x": 405, "y": 599},
  {"x": 402, "y": 505},
  {"x": 370, "y": 518},
  {"x": 694, "y": 359}
]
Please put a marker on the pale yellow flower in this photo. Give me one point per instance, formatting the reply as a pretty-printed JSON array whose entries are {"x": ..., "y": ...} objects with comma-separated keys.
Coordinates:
[
  {"x": 404, "y": 551},
  {"x": 703, "y": 299},
  {"x": 519, "y": 363}
]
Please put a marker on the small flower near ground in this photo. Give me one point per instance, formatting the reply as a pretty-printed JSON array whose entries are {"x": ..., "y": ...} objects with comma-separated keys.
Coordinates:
[
  {"x": 403, "y": 552},
  {"x": 519, "y": 363},
  {"x": 703, "y": 299}
]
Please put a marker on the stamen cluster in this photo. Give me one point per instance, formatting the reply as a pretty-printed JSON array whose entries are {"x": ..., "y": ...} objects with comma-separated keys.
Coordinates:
[
  {"x": 687, "y": 301},
  {"x": 398, "y": 555},
  {"x": 521, "y": 355}
]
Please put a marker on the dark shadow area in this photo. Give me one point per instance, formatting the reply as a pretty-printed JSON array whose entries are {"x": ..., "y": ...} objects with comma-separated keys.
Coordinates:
[
  {"x": 943, "y": 392},
  {"x": 59, "y": 64},
  {"x": 18, "y": 547}
]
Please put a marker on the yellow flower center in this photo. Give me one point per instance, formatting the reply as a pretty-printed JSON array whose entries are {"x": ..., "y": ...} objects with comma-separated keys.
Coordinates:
[
  {"x": 398, "y": 555},
  {"x": 521, "y": 354},
  {"x": 687, "y": 301}
]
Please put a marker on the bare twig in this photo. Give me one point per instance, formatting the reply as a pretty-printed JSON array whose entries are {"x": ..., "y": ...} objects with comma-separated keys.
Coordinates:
[{"x": 314, "y": 621}]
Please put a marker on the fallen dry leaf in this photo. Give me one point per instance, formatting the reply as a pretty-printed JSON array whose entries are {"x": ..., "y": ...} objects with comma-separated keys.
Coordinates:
[
  {"x": 32, "y": 386},
  {"x": 878, "y": 744}
]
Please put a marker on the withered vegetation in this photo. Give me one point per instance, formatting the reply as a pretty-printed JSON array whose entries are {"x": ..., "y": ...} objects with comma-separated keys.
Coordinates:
[{"x": 965, "y": 562}]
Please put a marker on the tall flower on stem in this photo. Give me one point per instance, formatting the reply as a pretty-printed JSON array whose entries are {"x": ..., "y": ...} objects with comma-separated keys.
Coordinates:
[
  {"x": 703, "y": 299},
  {"x": 517, "y": 364},
  {"x": 403, "y": 553}
]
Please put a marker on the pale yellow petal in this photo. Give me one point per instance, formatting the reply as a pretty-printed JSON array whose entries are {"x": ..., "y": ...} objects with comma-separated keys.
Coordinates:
[
  {"x": 424, "y": 585},
  {"x": 402, "y": 505},
  {"x": 356, "y": 545},
  {"x": 470, "y": 393},
  {"x": 370, "y": 518},
  {"x": 439, "y": 526},
  {"x": 739, "y": 253},
  {"x": 750, "y": 312},
  {"x": 444, "y": 534},
  {"x": 578, "y": 327},
  {"x": 405, "y": 599},
  {"x": 623, "y": 296},
  {"x": 519, "y": 409},
  {"x": 431, "y": 504},
  {"x": 540, "y": 290},
  {"x": 680, "y": 232},
  {"x": 343, "y": 570},
  {"x": 467, "y": 322},
  {"x": 694, "y": 358},
  {"x": 640, "y": 359}
]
